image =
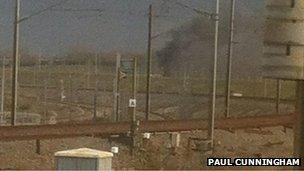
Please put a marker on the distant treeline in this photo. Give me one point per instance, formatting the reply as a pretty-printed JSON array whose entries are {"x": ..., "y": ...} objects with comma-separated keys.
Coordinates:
[{"x": 73, "y": 57}]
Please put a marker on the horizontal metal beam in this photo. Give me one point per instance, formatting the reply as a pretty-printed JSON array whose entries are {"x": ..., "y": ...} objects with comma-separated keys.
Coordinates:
[
  {"x": 88, "y": 128},
  {"x": 285, "y": 20},
  {"x": 276, "y": 43}
]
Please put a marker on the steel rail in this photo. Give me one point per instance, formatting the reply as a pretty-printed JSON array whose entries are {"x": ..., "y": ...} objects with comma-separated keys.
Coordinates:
[{"x": 258, "y": 98}]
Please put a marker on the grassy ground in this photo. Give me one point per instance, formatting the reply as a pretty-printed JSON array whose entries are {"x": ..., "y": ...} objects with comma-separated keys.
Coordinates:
[{"x": 79, "y": 76}]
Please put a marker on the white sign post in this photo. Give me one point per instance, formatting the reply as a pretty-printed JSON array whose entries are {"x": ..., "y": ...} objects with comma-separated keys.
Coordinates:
[{"x": 132, "y": 103}]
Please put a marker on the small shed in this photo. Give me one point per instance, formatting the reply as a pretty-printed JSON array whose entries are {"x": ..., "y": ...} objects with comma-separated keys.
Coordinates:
[{"x": 83, "y": 159}]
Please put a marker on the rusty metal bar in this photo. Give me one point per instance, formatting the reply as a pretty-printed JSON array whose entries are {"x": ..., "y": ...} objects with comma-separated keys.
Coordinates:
[{"x": 90, "y": 128}]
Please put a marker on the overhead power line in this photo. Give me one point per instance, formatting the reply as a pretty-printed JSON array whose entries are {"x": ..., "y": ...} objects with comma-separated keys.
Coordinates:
[
  {"x": 42, "y": 11},
  {"x": 78, "y": 10},
  {"x": 160, "y": 34},
  {"x": 98, "y": 11},
  {"x": 201, "y": 12}
]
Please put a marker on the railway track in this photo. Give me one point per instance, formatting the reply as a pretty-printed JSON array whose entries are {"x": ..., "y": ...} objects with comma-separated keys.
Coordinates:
[
  {"x": 91, "y": 107},
  {"x": 162, "y": 116},
  {"x": 89, "y": 128},
  {"x": 257, "y": 98}
]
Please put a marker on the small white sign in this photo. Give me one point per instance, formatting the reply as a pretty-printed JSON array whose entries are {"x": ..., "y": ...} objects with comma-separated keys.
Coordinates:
[
  {"x": 132, "y": 103},
  {"x": 147, "y": 135},
  {"x": 62, "y": 95},
  {"x": 237, "y": 94},
  {"x": 114, "y": 150}
]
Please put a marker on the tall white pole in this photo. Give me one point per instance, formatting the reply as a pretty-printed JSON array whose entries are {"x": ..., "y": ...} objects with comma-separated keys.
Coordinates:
[
  {"x": 15, "y": 64},
  {"x": 149, "y": 63},
  {"x": 212, "y": 113},
  {"x": 230, "y": 55}
]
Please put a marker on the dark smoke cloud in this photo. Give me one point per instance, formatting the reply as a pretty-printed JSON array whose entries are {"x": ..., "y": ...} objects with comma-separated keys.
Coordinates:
[{"x": 191, "y": 46}]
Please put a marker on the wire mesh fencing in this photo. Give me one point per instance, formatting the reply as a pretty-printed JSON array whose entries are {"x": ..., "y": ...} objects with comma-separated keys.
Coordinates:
[{"x": 75, "y": 79}]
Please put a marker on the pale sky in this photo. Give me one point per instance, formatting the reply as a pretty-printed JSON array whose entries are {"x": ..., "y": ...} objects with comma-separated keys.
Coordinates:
[{"x": 122, "y": 26}]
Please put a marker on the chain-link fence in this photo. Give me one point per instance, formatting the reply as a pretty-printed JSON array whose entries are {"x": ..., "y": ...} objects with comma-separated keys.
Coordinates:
[{"x": 72, "y": 76}]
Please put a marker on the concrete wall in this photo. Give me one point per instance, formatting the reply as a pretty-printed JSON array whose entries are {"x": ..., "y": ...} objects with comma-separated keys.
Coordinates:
[{"x": 284, "y": 39}]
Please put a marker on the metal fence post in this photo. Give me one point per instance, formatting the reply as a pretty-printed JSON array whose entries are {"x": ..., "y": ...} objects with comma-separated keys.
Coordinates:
[
  {"x": 96, "y": 88},
  {"x": 116, "y": 89},
  {"x": 278, "y": 96},
  {"x": 229, "y": 62},
  {"x": 299, "y": 124},
  {"x": 15, "y": 64},
  {"x": 149, "y": 62},
  {"x": 2, "y": 90},
  {"x": 214, "y": 77}
]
